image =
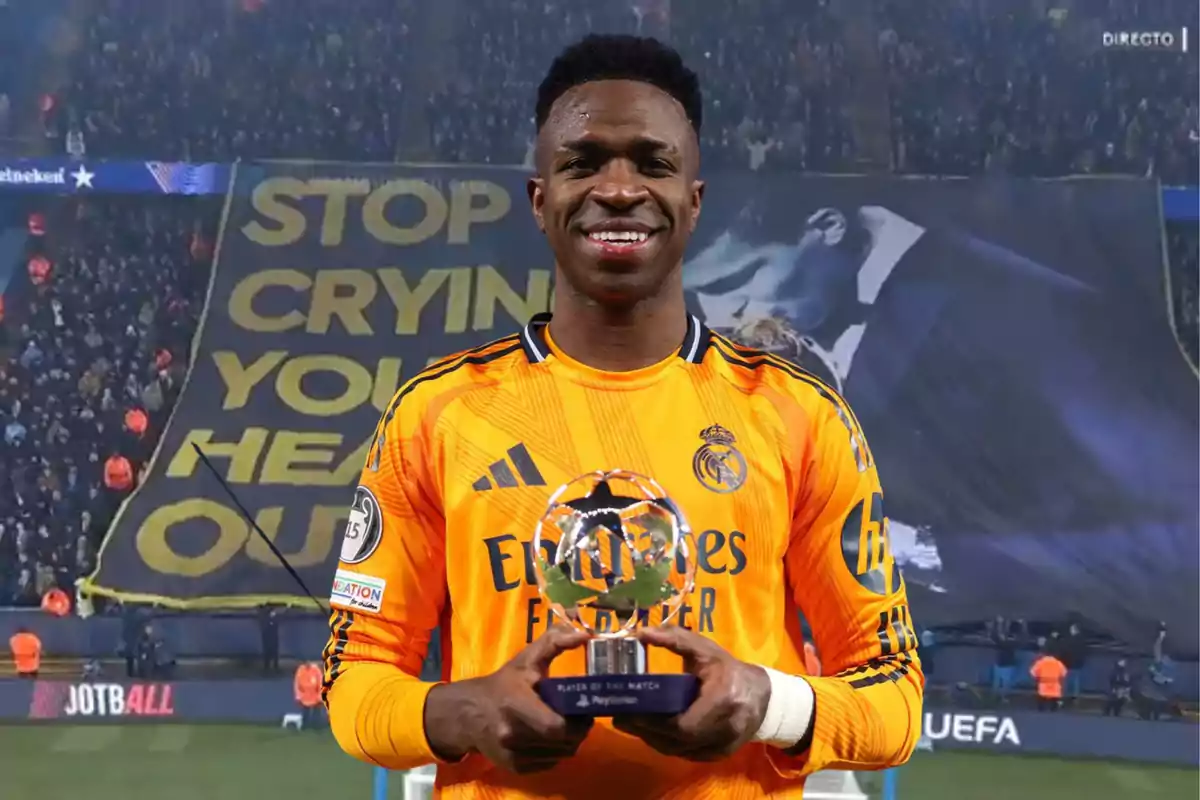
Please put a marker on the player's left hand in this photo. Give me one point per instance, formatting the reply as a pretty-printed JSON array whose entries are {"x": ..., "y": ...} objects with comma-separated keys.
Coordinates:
[{"x": 729, "y": 706}]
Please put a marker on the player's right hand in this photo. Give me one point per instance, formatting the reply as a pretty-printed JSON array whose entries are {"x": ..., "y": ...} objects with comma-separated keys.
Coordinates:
[{"x": 501, "y": 715}]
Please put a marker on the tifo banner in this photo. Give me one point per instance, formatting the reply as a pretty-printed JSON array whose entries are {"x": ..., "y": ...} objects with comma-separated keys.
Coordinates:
[
  {"x": 1006, "y": 346},
  {"x": 332, "y": 283},
  {"x": 1008, "y": 349}
]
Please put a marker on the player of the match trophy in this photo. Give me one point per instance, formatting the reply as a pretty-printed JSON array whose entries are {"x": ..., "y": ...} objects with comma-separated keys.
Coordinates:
[{"x": 614, "y": 552}]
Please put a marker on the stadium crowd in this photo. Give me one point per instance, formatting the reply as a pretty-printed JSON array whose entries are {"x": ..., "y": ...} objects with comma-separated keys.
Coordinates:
[
  {"x": 98, "y": 332},
  {"x": 95, "y": 335},
  {"x": 8, "y": 69},
  {"x": 1033, "y": 93},
  {"x": 295, "y": 79},
  {"x": 772, "y": 72}
]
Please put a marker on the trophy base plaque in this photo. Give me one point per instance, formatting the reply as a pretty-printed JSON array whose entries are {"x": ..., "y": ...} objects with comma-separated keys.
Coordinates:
[{"x": 617, "y": 683}]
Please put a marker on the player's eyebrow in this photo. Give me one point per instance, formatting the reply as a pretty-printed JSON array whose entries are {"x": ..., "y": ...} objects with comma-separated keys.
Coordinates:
[{"x": 641, "y": 145}]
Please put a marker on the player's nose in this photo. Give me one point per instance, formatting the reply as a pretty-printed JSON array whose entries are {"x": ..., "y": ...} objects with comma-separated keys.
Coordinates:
[{"x": 619, "y": 186}]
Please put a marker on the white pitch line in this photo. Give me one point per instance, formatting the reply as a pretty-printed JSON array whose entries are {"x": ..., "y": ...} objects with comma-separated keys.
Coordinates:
[{"x": 86, "y": 738}]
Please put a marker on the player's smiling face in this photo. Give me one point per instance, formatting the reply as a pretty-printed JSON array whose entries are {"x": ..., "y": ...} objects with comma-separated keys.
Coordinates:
[{"x": 616, "y": 192}]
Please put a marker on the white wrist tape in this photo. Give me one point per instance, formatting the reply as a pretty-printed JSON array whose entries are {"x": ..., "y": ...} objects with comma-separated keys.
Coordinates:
[{"x": 789, "y": 711}]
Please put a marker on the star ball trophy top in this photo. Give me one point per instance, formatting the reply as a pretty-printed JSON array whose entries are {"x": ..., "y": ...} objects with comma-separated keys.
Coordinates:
[{"x": 623, "y": 555}]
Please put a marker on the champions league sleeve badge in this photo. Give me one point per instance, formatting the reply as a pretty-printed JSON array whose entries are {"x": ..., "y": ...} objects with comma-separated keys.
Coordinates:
[{"x": 364, "y": 528}]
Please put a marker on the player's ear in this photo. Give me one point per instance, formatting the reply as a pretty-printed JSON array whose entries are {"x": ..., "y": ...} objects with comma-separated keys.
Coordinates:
[
  {"x": 537, "y": 199},
  {"x": 697, "y": 199}
]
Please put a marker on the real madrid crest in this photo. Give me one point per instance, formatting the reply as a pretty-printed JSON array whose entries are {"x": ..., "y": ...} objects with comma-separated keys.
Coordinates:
[{"x": 718, "y": 465}]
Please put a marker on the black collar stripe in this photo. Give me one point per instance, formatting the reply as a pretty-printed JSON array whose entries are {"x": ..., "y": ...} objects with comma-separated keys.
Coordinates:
[
  {"x": 692, "y": 340},
  {"x": 695, "y": 342},
  {"x": 533, "y": 338}
]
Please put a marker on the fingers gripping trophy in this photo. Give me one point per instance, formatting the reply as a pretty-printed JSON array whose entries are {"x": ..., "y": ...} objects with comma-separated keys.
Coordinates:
[{"x": 614, "y": 552}]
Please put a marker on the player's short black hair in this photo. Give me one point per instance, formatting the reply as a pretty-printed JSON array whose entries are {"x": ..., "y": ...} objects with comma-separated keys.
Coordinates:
[{"x": 608, "y": 56}]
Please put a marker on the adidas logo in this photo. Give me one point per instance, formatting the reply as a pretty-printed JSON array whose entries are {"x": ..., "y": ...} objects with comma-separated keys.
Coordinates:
[{"x": 502, "y": 476}]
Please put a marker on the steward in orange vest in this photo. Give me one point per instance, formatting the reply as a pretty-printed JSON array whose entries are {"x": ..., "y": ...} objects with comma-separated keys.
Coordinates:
[
  {"x": 307, "y": 685},
  {"x": 26, "y": 652}
]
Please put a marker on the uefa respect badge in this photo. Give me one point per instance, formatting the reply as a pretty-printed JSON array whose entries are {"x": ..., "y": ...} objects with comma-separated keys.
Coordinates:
[{"x": 623, "y": 555}]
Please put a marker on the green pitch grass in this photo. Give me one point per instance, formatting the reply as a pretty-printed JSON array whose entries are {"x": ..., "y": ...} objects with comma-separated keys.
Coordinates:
[
  {"x": 968, "y": 776},
  {"x": 182, "y": 762},
  {"x": 177, "y": 762}
]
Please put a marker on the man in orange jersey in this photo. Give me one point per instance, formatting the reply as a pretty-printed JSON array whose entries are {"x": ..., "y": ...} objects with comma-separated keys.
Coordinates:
[{"x": 766, "y": 461}]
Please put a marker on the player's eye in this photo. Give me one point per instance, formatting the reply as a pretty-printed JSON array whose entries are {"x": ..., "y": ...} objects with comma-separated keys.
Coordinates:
[
  {"x": 576, "y": 165},
  {"x": 658, "y": 167}
]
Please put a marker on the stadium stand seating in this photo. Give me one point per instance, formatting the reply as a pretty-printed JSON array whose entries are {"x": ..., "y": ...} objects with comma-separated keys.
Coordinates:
[
  {"x": 105, "y": 332},
  {"x": 1047, "y": 101}
]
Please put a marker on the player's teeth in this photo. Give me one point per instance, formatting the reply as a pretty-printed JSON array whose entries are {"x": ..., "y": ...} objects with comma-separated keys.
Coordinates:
[{"x": 618, "y": 236}]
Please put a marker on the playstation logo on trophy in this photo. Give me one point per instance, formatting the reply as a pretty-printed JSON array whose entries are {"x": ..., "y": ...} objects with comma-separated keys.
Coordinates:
[{"x": 623, "y": 556}]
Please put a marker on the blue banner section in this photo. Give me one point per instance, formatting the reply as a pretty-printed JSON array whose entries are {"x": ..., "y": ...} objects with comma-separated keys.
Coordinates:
[
  {"x": 1061, "y": 734},
  {"x": 1003, "y": 344},
  {"x": 67, "y": 176},
  {"x": 1181, "y": 203}
]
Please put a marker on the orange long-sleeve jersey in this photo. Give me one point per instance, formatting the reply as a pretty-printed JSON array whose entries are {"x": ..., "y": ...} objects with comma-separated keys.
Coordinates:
[{"x": 768, "y": 464}]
